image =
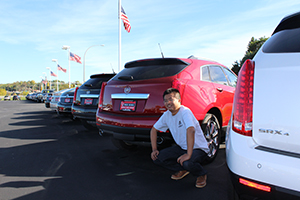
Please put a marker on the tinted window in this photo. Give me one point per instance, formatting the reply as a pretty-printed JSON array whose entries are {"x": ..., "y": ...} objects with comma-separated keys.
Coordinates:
[
  {"x": 205, "y": 74},
  {"x": 217, "y": 75},
  {"x": 232, "y": 78},
  {"x": 284, "y": 41},
  {"x": 150, "y": 69},
  {"x": 93, "y": 83}
]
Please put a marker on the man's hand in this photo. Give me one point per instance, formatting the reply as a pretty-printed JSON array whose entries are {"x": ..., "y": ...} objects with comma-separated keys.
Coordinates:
[
  {"x": 154, "y": 154},
  {"x": 183, "y": 158}
]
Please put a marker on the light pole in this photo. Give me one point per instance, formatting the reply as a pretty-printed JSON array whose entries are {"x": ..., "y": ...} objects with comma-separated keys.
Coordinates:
[
  {"x": 65, "y": 47},
  {"x": 45, "y": 80},
  {"x": 84, "y": 59},
  {"x": 49, "y": 77},
  {"x": 41, "y": 84},
  {"x": 55, "y": 60}
]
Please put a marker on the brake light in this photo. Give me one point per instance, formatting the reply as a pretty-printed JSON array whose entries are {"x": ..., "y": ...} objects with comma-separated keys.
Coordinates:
[
  {"x": 255, "y": 185},
  {"x": 243, "y": 100},
  {"x": 75, "y": 97},
  {"x": 100, "y": 103}
]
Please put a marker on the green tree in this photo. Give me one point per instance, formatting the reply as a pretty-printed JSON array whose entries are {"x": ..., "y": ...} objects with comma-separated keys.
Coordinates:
[
  {"x": 252, "y": 48},
  {"x": 2, "y": 92}
]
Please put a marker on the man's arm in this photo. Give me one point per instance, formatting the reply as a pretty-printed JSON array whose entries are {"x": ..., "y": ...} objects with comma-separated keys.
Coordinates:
[
  {"x": 153, "y": 137},
  {"x": 190, "y": 139}
]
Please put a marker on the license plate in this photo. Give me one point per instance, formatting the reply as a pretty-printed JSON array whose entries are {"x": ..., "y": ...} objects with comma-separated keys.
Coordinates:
[
  {"x": 88, "y": 101},
  {"x": 67, "y": 100},
  {"x": 128, "y": 105}
]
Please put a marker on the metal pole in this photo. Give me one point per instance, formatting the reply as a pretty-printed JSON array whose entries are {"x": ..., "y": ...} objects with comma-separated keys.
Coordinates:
[
  {"x": 69, "y": 69},
  {"x": 119, "y": 35},
  {"x": 57, "y": 75},
  {"x": 84, "y": 59}
]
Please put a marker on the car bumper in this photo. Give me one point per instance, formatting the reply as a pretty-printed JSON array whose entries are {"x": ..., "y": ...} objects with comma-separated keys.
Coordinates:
[
  {"x": 88, "y": 114},
  {"x": 129, "y": 128},
  {"x": 64, "y": 108},
  {"x": 245, "y": 159}
]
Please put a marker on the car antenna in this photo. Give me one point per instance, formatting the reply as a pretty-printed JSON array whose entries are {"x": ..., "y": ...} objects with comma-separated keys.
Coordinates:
[
  {"x": 162, "y": 55},
  {"x": 112, "y": 68}
]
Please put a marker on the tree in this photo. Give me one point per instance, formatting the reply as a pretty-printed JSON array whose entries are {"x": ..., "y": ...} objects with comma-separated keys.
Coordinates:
[
  {"x": 253, "y": 47},
  {"x": 2, "y": 92}
]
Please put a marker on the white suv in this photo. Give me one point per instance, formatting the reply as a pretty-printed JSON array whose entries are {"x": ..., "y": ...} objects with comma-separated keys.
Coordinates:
[{"x": 263, "y": 139}]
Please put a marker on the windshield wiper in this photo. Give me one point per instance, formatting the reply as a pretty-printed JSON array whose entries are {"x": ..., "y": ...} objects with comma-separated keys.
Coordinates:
[
  {"x": 88, "y": 85},
  {"x": 127, "y": 78}
]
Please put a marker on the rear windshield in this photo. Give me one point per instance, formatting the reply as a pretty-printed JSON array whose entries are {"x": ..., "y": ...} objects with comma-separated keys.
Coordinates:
[
  {"x": 94, "y": 83},
  {"x": 285, "y": 41},
  {"x": 150, "y": 69}
]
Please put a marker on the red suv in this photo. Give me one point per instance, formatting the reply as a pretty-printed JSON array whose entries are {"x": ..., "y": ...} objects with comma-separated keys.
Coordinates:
[{"x": 131, "y": 102}]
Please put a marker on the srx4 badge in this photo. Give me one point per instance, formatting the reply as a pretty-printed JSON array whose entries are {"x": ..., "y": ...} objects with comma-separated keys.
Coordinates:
[{"x": 271, "y": 131}]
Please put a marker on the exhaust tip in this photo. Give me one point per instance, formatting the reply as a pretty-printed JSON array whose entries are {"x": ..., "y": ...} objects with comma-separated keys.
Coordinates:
[
  {"x": 160, "y": 140},
  {"x": 100, "y": 132}
]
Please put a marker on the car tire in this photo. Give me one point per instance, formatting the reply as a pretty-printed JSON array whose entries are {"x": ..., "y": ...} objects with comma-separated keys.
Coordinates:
[
  {"x": 122, "y": 144},
  {"x": 212, "y": 132}
]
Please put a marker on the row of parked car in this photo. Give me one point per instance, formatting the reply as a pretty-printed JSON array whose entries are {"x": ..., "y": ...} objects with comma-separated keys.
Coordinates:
[
  {"x": 39, "y": 96},
  {"x": 259, "y": 110}
]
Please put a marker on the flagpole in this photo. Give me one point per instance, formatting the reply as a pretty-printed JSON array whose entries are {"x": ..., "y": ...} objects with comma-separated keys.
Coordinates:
[
  {"x": 69, "y": 70},
  {"x": 57, "y": 76},
  {"x": 119, "y": 35}
]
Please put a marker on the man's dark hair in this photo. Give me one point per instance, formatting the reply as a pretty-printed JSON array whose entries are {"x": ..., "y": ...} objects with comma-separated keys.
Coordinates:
[{"x": 171, "y": 90}]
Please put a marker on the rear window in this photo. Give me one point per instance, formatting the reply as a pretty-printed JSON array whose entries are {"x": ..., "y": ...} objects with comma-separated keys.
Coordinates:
[
  {"x": 150, "y": 69},
  {"x": 285, "y": 41},
  {"x": 95, "y": 82}
]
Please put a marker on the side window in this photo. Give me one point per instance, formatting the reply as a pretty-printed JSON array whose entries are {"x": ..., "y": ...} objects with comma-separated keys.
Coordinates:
[
  {"x": 232, "y": 78},
  {"x": 205, "y": 74},
  {"x": 217, "y": 75}
]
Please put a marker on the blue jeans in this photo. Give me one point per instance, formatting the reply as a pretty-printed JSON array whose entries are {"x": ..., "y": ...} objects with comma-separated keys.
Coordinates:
[{"x": 168, "y": 158}]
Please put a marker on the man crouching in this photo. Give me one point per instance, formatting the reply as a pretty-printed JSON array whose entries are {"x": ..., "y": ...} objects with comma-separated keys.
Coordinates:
[{"x": 191, "y": 147}]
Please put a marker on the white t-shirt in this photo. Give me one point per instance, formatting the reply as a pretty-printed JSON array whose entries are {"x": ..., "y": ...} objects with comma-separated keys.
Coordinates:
[{"x": 178, "y": 125}]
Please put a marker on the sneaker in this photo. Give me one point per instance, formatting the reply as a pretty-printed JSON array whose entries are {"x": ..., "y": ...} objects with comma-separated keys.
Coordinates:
[
  {"x": 179, "y": 175},
  {"x": 201, "y": 181}
]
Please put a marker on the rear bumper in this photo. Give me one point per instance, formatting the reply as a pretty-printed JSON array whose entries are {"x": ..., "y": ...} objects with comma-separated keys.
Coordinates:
[
  {"x": 64, "y": 108},
  {"x": 84, "y": 113},
  {"x": 245, "y": 159},
  {"x": 277, "y": 193},
  {"x": 133, "y": 134},
  {"x": 129, "y": 128}
]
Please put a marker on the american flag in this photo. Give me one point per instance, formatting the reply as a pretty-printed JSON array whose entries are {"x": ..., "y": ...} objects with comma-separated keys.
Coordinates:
[
  {"x": 61, "y": 69},
  {"x": 52, "y": 74},
  {"x": 125, "y": 20},
  {"x": 44, "y": 81},
  {"x": 75, "y": 57}
]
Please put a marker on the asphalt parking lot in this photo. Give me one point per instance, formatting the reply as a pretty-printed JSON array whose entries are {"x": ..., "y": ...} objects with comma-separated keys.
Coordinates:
[{"x": 45, "y": 156}]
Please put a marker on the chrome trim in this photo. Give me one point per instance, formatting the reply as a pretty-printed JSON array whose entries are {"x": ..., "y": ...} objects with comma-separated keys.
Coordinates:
[
  {"x": 130, "y": 96},
  {"x": 89, "y": 95},
  {"x": 277, "y": 151}
]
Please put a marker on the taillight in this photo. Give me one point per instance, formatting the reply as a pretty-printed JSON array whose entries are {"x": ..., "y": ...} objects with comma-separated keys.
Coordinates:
[
  {"x": 75, "y": 96},
  {"x": 243, "y": 100},
  {"x": 100, "y": 103}
]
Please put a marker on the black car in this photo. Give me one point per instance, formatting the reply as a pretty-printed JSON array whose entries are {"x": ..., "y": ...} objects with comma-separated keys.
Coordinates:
[
  {"x": 16, "y": 97},
  {"x": 86, "y": 97},
  {"x": 65, "y": 103}
]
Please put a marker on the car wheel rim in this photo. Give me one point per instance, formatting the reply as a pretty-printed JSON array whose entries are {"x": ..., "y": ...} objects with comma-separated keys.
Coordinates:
[{"x": 212, "y": 137}]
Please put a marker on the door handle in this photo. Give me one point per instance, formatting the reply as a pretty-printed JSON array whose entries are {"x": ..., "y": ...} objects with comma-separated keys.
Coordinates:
[{"x": 220, "y": 89}]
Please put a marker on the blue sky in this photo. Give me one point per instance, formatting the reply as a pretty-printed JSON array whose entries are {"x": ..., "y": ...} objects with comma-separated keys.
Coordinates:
[{"x": 33, "y": 32}]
